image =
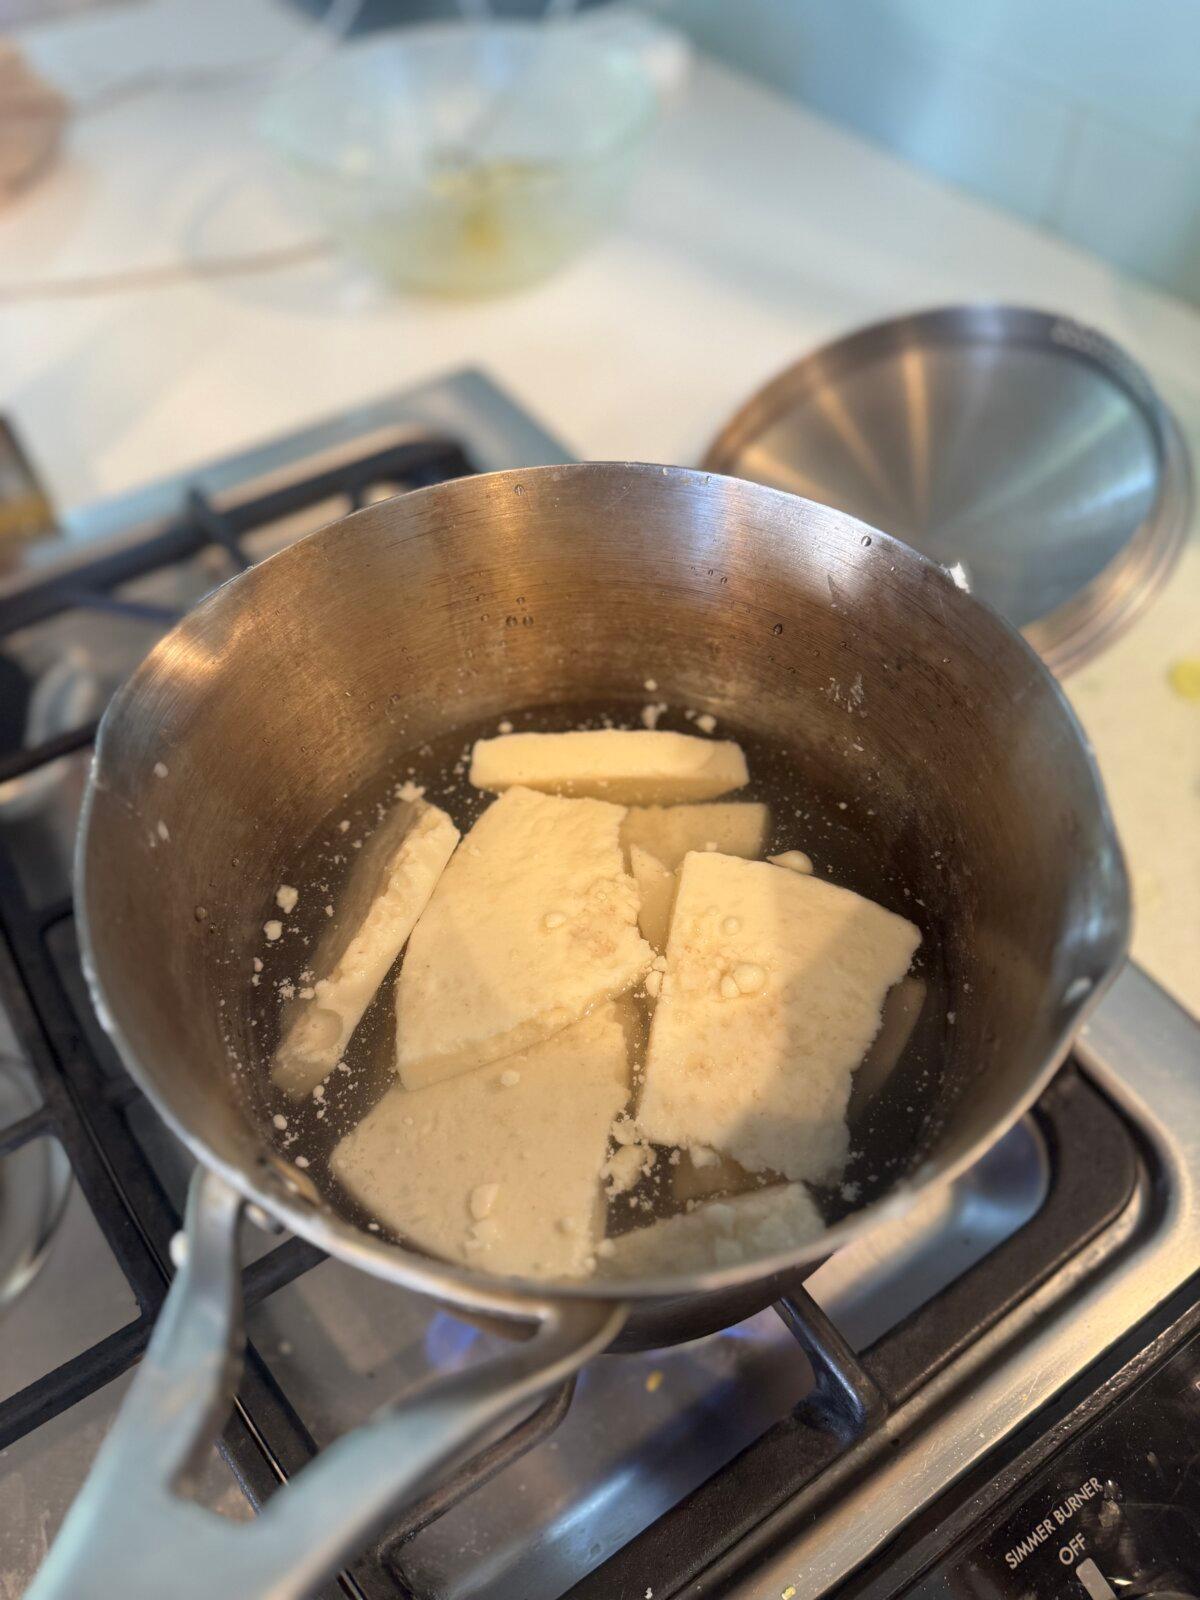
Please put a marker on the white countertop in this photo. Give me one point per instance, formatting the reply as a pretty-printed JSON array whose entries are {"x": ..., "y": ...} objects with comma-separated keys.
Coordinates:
[{"x": 756, "y": 232}]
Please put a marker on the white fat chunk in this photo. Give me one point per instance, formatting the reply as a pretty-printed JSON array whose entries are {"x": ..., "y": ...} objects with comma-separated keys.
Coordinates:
[
  {"x": 626, "y": 1165},
  {"x": 502, "y": 1176},
  {"x": 772, "y": 995},
  {"x": 721, "y": 1233},
  {"x": 533, "y": 923},
  {"x": 735, "y": 828},
  {"x": 656, "y": 890},
  {"x": 631, "y": 768},
  {"x": 395, "y": 881}
]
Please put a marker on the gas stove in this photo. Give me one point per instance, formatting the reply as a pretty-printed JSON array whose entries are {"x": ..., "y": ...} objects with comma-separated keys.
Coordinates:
[{"x": 995, "y": 1396}]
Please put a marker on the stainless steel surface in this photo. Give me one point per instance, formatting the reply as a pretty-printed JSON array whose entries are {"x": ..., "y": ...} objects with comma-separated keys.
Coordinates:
[
  {"x": 1142, "y": 1049},
  {"x": 179, "y": 1400},
  {"x": 757, "y": 604},
  {"x": 464, "y": 405},
  {"x": 34, "y": 1184},
  {"x": 1026, "y": 447},
  {"x": 41, "y": 1476}
]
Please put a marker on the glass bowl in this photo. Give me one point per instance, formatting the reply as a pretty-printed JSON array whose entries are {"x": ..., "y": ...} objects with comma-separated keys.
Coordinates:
[{"x": 460, "y": 159}]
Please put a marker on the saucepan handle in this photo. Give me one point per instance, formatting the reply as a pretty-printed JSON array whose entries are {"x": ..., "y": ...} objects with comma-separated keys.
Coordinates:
[{"x": 133, "y": 1531}]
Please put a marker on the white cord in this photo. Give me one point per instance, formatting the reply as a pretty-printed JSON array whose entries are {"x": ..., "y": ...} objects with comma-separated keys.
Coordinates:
[
  {"x": 337, "y": 20},
  {"x": 164, "y": 276}
]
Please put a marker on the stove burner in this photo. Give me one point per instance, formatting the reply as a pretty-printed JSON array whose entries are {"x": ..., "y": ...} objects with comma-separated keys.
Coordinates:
[
  {"x": 67, "y": 693},
  {"x": 35, "y": 1179}
]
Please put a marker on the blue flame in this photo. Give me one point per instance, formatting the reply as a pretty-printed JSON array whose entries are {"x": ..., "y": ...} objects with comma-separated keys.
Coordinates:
[{"x": 448, "y": 1342}]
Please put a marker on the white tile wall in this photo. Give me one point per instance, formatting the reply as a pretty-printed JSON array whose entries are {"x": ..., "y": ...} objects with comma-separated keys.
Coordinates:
[{"x": 1080, "y": 115}]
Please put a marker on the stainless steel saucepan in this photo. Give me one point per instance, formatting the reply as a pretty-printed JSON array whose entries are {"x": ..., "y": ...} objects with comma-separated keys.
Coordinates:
[{"x": 945, "y": 774}]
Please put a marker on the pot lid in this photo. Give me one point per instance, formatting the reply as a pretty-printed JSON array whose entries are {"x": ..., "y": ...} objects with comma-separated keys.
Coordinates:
[{"x": 1023, "y": 446}]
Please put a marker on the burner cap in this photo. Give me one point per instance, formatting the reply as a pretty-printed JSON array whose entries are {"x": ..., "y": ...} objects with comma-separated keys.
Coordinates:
[
  {"x": 61, "y": 698},
  {"x": 35, "y": 1180},
  {"x": 1024, "y": 446}
]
